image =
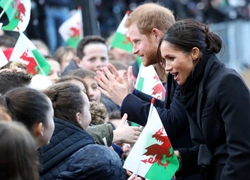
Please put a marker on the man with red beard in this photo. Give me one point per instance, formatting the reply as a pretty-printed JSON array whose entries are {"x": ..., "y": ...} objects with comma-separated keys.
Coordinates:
[{"x": 146, "y": 25}]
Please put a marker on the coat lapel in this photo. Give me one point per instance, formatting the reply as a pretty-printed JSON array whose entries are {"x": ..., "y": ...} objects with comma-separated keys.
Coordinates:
[
  {"x": 199, "y": 104},
  {"x": 200, "y": 101}
]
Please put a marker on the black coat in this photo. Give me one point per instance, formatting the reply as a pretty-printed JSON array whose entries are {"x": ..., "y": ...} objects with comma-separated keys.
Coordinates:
[
  {"x": 221, "y": 130},
  {"x": 171, "y": 112},
  {"x": 72, "y": 154}
]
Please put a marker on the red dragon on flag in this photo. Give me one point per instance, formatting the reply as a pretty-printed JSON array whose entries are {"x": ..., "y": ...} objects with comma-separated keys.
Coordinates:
[
  {"x": 159, "y": 90},
  {"x": 20, "y": 9},
  {"x": 152, "y": 156},
  {"x": 127, "y": 40},
  {"x": 157, "y": 151},
  {"x": 30, "y": 63},
  {"x": 17, "y": 13}
]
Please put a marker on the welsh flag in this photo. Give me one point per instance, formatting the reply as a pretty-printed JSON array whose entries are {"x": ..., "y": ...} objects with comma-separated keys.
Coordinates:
[
  {"x": 152, "y": 156},
  {"x": 149, "y": 83},
  {"x": 25, "y": 52},
  {"x": 3, "y": 59},
  {"x": 71, "y": 30},
  {"x": 121, "y": 39},
  {"x": 18, "y": 14}
]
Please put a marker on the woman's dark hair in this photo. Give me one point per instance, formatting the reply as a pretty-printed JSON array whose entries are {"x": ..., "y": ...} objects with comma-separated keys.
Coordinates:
[
  {"x": 186, "y": 34},
  {"x": 18, "y": 155},
  {"x": 26, "y": 105},
  {"x": 66, "y": 100},
  {"x": 10, "y": 80}
]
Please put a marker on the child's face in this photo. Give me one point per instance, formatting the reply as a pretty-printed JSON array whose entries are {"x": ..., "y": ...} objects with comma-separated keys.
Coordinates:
[
  {"x": 55, "y": 71},
  {"x": 95, "y": 58},
  {"x": 93, "y": 92}
]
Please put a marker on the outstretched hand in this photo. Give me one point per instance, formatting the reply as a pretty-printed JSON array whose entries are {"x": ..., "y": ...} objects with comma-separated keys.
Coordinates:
[
  {"x": 114, "y": 86},
  {"x": 124, "y": 133}
]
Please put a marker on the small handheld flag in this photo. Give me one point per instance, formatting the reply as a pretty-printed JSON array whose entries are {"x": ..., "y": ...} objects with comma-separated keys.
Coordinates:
[
  {"x": 18, "y": 14},
  {"x": 25, "y": 52},
  {"x": 149, "y": 83},
  {"x": 152, "y": 156},
  {"x": 71, "y": 30},
  {"x": 3, "y": 59}
]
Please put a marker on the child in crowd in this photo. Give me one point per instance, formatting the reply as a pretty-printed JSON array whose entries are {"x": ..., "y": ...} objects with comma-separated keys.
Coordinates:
[
  {"x": 33, "y": 109},
  {"x": 55, "y": 69},
  {"x": 92, "y": 54},
  {"x": 94, "y": 93},
  {"x": 72, "y": 153},
  {"x": 18, "y": 155},
  {"x": 64, "y": 55},
  {"x": 98, "y": 113}
]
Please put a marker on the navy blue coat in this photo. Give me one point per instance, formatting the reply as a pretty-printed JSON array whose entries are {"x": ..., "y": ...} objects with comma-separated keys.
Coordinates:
[{"x": 72, "y": 154}]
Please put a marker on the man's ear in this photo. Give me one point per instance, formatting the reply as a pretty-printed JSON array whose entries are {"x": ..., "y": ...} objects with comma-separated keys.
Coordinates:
[
  {"x": 157, "y": 34},
  {"x": 195, "y": 54},
  {"x": 78, "y": 61},
  {"x": 78, "y": 118}
]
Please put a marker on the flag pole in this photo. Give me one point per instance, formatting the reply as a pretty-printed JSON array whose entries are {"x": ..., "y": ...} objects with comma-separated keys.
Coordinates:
[
  {"x": 2, "y": 13},
  {"x": 139, "y": 75},
  {"x": 151, "y": 107},
  {"x": 149, "y": 114},
  {"x": 131, "y": 177}
]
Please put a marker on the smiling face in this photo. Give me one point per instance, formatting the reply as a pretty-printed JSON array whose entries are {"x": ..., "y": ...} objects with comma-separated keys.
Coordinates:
[
  {"x": 143, "y": 45},
  {"x": 95, "y": 57},
  {"x": 55, "y": 70},
  {"x": 93, "y": 92},
  {"x": 178, "y": 63}
]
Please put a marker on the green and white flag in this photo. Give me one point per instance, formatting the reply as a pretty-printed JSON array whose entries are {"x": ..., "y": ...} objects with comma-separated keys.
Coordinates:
[
  {"x": 149, "y": 83},
  {"x": 3, "y": 59},
  {"x": 25, "y": 52},
  {"x": 71, "y": 30},
  {"x": 152, "y": 156},
  {"x": 18, "y": 14},
  {"x": 121, "y": 40}
]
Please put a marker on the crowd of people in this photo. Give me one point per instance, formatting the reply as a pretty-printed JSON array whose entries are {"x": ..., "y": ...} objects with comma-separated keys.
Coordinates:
[
  {"x": 75, "y": 123},
  {"x": 47, "y": 16}
]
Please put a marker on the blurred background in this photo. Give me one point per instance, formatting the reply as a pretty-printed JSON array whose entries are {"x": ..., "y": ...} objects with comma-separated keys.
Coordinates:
[{"x": 229, "y": 18}]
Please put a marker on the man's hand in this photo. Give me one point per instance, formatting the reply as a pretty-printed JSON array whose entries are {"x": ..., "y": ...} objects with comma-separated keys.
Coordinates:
[{"x": 114, "y": 86}]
